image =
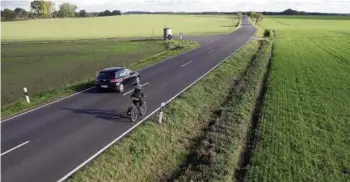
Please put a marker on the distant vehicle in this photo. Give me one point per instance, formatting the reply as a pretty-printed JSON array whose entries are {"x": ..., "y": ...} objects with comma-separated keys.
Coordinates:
[{"x": 116, "y": 78}]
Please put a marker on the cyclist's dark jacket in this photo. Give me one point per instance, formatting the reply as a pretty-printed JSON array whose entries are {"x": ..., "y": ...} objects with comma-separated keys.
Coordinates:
[{"x": 137, "y": 93}]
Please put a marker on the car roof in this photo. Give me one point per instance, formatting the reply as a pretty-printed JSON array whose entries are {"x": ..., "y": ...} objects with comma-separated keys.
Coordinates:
[{"x": 113, "y": 69}]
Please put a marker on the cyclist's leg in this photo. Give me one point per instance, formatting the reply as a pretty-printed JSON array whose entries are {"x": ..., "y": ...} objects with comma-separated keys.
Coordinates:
[
  {"x": 135, "y": 102},
  {"x": 141, "y": 102}
]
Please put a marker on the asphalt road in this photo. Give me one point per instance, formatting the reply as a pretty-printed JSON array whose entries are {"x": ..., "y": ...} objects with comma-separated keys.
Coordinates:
[{"x": 50, "y": 143}]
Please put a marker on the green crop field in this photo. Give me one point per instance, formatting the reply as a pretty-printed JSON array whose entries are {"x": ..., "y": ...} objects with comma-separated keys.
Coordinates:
[
  {"x": 310, "y": 17},
  {"x": 115, "y": 26},
  {"x": 304, "y": 128},
  {"x": 41, "y": 67}
]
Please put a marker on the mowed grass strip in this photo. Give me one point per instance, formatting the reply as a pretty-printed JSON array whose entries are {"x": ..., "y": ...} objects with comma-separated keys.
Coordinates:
[
  {"x": 51, "y": 71},
  {"x": 304, "y": 133},
  {"x": 153, "y": 151},
  {"x": 115, "y": 26}
]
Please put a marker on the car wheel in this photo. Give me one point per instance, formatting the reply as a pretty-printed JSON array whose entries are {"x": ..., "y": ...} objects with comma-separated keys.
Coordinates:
[
  {"x": 120, "y": 88},
  {"x": 98, "y": 89}
]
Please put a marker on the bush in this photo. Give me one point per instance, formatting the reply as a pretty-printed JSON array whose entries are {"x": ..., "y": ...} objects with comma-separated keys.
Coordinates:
[{"x": 267, "y": 33}]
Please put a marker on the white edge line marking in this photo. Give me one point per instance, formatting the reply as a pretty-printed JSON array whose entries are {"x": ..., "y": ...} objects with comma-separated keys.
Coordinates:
[
  {"x": 26, "y": 112},
  {"x": 186, "y": 63},
  {"x": 132, "y": 90},
  {"x": 126, "y": 132},
  {"x": 14, "y": 148}
]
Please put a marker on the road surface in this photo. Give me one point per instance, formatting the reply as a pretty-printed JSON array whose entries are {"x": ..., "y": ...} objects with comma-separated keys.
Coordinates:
[{"x": 51, "y": 143}]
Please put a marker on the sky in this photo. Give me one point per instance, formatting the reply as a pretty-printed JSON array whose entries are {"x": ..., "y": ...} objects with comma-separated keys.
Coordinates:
[{"x": 325, "y": 6}]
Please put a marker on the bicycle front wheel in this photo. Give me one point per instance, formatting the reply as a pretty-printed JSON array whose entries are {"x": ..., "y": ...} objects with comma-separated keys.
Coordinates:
[{"x": 143, "y": 108}]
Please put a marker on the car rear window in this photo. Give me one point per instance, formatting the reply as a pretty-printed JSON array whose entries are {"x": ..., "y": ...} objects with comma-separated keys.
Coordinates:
[{"x": 106, "y": 75}]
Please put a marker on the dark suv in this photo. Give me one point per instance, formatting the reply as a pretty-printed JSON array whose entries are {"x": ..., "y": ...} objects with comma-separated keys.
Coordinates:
[{"x": 116, "y": 78}]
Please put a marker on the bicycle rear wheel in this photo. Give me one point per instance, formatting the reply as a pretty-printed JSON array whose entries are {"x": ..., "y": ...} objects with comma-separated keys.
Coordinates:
[{"x": 133, "y": 114}]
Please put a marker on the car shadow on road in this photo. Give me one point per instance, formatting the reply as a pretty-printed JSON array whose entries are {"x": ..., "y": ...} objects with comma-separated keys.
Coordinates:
[
  {"x": 110, "y": 115},
  {"x": 107, "y": 91},
  {"x": 102, "y": 91}
]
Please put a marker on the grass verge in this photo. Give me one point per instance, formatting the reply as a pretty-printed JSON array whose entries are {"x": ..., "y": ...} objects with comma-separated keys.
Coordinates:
[
  {"x": 11, "y": 109},
  {"x": 152, "y": 151}
]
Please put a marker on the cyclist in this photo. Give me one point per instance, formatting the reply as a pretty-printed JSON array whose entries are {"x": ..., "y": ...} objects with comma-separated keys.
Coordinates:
[{"x": 137, "y": 96}]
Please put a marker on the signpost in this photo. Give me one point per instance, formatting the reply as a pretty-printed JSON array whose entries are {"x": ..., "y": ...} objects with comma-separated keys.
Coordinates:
[
  {"x": 161, "y": 113},
  {"x": 26, "y": 94},
  {"x": 181, "y": 38}
]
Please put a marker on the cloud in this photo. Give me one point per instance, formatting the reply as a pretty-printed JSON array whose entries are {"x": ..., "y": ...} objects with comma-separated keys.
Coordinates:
[{"x": 330, "y": 6}]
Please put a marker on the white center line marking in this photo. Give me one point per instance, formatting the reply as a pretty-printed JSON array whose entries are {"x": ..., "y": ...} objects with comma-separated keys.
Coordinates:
[
  {"x": 133, "y": 90},
  {"x": 211, "y": 51},
  {"x": 186, "y": 63},
  {"x": 15, "y": 148}
]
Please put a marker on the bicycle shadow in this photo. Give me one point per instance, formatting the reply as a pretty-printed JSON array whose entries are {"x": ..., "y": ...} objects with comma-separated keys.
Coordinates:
[{"x": 110, "y": 115}]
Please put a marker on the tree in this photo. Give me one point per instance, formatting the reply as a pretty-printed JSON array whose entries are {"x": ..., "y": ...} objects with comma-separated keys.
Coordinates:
[
  {"x": 257, "y": 16},
  {"x": 105, "y": 13},
  {"x": 21, "y": 13},
  {"x": 49, "y": 9},
  {"x": 67, "y": 10},
  {"x": 8, "y": 15},
  {"x": 250, "y": 14},
  {"x": 55, "y": 14},
  {"x": 116, "y": 12},
  {"x": 37, "y": 6},
  {"x": 82, "y": 13},
  {"x": 42, "y": 8}
]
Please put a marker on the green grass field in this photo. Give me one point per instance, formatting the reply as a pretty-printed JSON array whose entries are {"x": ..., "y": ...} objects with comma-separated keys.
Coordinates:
[
  {"x": 115, "y": 26},
  {"x": 311, "y": 17},
  {"x": 304, "y": 130}
]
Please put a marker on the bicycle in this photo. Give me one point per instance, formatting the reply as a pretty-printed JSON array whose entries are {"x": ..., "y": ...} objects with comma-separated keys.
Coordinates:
[{"x": 135, "y": 110}]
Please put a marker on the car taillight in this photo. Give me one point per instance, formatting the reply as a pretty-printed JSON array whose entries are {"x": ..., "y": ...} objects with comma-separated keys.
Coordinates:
[{"x": 115, "y": 80}]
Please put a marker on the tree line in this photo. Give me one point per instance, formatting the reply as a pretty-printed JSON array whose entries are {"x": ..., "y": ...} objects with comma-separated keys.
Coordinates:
[
  {"x": 285, "y": 12},
  {"x": 46, "y": 9},
  {"x": 295, "y": 12}
]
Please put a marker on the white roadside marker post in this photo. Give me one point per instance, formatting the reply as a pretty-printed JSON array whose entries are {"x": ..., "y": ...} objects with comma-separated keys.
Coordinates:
[
  {"x": 161, "y": 113},
  {"x": 26, "y": 94}
]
